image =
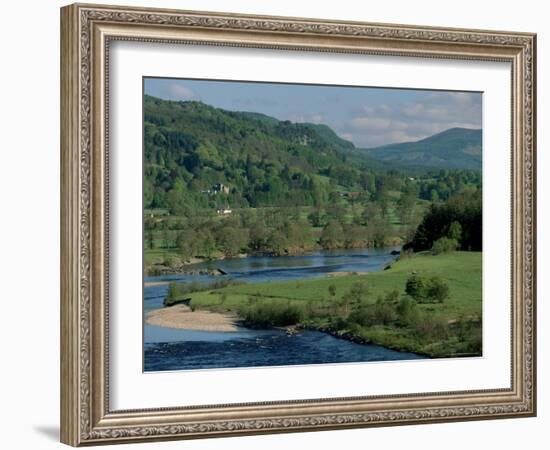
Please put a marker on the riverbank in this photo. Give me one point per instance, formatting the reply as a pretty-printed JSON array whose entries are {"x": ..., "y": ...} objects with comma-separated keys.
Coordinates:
[
  {"x": 172, "y": 264},
  {"x": 370, "y": 308},
  {"x": 182, "y": 317}
]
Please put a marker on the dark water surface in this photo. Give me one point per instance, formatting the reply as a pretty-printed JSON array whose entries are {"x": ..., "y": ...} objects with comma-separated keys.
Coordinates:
[
  {"x": 263, "y": 348},
  {"x": 171, "y": 349}
]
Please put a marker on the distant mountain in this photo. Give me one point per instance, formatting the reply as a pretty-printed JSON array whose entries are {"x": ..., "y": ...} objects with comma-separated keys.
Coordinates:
[{"x": 456, "y": 148}]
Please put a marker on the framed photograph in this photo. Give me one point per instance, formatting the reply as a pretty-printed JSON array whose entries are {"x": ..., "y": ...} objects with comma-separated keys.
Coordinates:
[{"x": 276, "y": 224}]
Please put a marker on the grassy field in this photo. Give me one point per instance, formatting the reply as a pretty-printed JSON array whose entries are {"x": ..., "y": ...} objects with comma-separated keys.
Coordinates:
[{"x": 371, "y": 307}]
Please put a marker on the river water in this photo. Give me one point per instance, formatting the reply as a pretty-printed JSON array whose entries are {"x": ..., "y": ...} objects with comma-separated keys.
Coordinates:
[{"x": 171, "y": 349}]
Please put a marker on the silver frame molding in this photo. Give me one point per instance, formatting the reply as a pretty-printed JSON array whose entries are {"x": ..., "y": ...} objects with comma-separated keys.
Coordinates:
[{"x": 86, "y": 33}]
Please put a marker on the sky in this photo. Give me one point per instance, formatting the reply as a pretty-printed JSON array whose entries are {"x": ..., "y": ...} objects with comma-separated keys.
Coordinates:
[{"x": 366, "y": 116}]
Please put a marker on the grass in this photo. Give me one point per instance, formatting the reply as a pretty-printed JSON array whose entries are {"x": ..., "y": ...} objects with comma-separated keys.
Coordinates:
[
  {"x": 445, "y": 329},
  {"x": 461, "y": 271}
]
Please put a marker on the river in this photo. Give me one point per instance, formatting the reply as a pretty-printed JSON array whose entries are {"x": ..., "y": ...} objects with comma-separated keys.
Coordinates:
[{"x": 171, "y": 349}]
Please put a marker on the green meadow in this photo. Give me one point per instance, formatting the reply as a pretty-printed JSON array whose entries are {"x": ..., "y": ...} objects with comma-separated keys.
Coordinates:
[{"x": 371, "y": 308}]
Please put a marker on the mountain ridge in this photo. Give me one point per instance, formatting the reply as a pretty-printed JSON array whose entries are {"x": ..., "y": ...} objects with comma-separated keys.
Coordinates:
[{"x": 454, "y": 148}]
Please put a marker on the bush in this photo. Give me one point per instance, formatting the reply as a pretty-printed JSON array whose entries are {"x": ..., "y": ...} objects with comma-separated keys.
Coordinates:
[
  {"x": 437, "y": 290},
  {"x": 455, "y": 231},
  {"x": 358, "y": 292},
  {"x": 444, "y": 245},
  {"x": 406, "y": 311},
  {"x": 363, "y": 316},
  {"x": 392, "y": 296},
  {"x": 431, "y": 328},
  {"x": 384, "y": 313},
  {"x": 416, "y": 287},
  {"x": 267, "y": 314},
  {"x": 427, "y": 290}
]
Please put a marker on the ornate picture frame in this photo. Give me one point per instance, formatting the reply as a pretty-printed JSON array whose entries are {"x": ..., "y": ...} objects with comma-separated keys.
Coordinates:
[{"x": 87, "y": 31}]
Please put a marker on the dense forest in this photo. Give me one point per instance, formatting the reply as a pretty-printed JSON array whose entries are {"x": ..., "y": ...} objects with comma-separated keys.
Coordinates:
[{"x": 221, "y": 182}]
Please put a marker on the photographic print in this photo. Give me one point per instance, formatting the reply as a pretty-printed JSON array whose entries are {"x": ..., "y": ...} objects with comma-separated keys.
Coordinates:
[{"x": 293, "y": 224}]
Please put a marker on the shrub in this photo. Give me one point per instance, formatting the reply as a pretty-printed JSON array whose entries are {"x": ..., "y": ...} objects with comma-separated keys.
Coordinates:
[
  {"x": 427, "y": 290},
  {"x": 167, "y": 260},
  {"x": 358, "y": 292},
  {"x": 431, "y": 328},
  {"x": 363, "y": 316},
  {"x": 437, "y": 290},
  {"x": 444, "y": 245},
  {"x": 416, "y": 287},
  {"x": 455, "y": 231},
  {"x": 384, "y": 312},
  {"x": 406, "y": 311},
  {"x": 392, "y": 296},
  {"x": 267, "y": 314}
]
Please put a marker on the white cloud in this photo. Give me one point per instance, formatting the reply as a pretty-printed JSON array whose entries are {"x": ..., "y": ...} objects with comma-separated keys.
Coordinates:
[
  {"x": 177, "y": 91},
  {"x": 309, "y": 118},
  {"x": 373, "y": 125}
]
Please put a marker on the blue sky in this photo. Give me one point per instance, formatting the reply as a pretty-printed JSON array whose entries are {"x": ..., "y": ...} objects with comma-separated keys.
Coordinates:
[{"x": 366, "y": 116}]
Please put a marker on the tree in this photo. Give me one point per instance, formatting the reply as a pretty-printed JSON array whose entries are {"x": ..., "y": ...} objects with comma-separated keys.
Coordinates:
[
  {"x": 438, "y": 290},
  {"x": 207, "y": 243},
  {"x": 150, "y": 239},
  {"x": 455, "y": 231},
  {"x": 416, "y": 287},
  {"x": 354, "y": 236},
  {"x": 258, "y": 234},
  {"x": 465, "y": 210},
  {"x": 405, "y": 207},
  {"x": 186, "y": 243},
  {"x": 317, "y": 218},
  {"x": 336, "y": 211},
  {"x": 165, "y": 238},
  {"x": 231, "y": 240},
  {"x": 370, "y": 212},
  {"x": 367, "y": 181},
  {"x": 427, "y": 290},
  {"x": 358, "y": 293},
  {"x": 332, "y": 235},
  {"x": 382, "y": 197},
  {"x": 406, "y": 311},
  {"x": 444, "y": 245},
  {"x": 378, "y": 230},
  {"x": 276, "y": 243}
]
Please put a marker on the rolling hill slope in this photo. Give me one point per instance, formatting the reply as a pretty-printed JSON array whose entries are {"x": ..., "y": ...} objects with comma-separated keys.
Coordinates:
[{"x": 456, "y": 148}]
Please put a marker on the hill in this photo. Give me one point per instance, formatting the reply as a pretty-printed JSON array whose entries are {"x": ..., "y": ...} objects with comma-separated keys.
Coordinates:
[
  {"x": 456, "y": 148},
  {"x": 199, "y": 156}
]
